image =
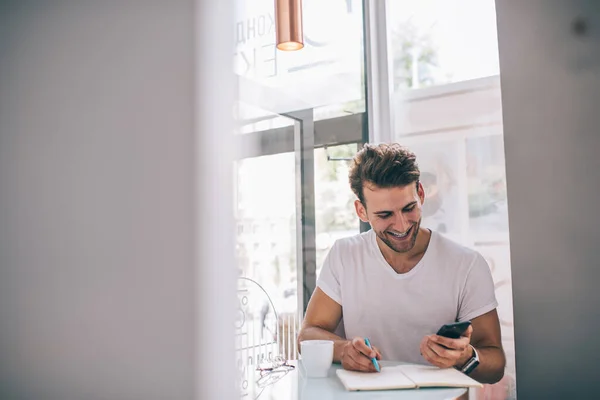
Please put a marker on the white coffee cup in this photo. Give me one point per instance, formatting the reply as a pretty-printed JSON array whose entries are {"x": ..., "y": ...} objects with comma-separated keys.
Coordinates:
[{"x": 317, "y": 356}]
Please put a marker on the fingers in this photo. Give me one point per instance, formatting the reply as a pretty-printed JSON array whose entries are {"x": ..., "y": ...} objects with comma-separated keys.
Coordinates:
[
  {"x": 437, "y": 354},
  {"x": 363, "y": 362},
  {"x": 354, "y": 359},
  {"x": 443, "y": 352},
  {"x": 468, "y": 332},
  {"x": 360, "y": 345},
  {"x": 459, "y": 344},
  {"x": 377, "y": 352},
  {"x": 428, "y": 354}
]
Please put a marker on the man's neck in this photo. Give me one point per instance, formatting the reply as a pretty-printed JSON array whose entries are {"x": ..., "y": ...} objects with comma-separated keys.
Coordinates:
[{"x": 404, "y": 262}]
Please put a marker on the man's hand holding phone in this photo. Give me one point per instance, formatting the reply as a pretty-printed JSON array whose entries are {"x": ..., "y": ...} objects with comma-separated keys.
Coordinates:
[{"x": 446, "y": 352}]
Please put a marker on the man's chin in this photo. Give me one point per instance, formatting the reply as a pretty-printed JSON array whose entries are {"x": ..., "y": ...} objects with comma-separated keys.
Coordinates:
[{"x": 404, "y": 249}]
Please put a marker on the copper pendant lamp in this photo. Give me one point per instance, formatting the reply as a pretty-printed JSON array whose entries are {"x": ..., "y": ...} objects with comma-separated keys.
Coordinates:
[{"x": 288, "y": 24}]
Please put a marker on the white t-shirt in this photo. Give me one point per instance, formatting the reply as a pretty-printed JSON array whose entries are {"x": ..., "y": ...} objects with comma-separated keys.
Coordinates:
[{"x": 450, "y": 283}]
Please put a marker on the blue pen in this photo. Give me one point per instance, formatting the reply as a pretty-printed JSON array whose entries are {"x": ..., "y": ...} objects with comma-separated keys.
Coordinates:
[{"x": 374, "y": 360}]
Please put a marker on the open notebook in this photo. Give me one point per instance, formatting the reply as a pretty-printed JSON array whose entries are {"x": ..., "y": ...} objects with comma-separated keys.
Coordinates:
[{"x": 406, "y": 376}]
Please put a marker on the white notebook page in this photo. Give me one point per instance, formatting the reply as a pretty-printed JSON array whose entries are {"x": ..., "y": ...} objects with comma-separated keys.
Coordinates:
[
  {"x": 430, "y": 376},
  {"x": 406, "y": 376},
  {"x": 388, "y": 378}
]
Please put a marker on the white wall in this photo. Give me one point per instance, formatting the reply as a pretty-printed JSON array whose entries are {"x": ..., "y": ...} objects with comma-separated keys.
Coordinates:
[
  {"x": 99, "y": 243},
  {"x": 550, "y": 98}
]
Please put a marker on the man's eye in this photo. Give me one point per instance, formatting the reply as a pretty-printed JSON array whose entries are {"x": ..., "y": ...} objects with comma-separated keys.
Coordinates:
[
  {"x": 384, "y": 216},
  {"x": 409, "y": 209}
]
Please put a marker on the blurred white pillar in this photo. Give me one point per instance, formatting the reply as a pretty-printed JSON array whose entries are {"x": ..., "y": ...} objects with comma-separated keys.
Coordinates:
[
  {"x": 214, "y": 191},
  {"x": 550, "y": 76},
  {"x": 116, "y": 230}
]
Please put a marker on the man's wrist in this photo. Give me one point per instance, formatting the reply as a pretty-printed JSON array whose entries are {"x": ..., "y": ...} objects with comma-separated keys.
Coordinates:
[
  {"x": 338, "y": 349},
  {"x": 471, "y": 363},
  {"x": 465, "y": 358}
]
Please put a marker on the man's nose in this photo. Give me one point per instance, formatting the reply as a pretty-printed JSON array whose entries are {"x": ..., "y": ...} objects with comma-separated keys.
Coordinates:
[{"x": 401, "y": 224}]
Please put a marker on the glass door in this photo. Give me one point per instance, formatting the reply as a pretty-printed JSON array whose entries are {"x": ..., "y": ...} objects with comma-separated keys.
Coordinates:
[{"x": 274, "y": 212}]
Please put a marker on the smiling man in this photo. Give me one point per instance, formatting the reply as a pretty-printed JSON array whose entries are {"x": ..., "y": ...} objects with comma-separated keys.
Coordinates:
[{"x": 398, "y": 283}]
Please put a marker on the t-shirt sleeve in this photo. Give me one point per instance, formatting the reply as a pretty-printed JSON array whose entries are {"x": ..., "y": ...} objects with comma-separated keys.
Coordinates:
[
  {"x": 329, "y": 278},
  {"x": 478, "y": 296}
]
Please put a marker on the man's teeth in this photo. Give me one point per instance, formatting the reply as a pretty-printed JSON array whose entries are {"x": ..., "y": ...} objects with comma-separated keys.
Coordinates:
[{"x": 399, "y": 235}]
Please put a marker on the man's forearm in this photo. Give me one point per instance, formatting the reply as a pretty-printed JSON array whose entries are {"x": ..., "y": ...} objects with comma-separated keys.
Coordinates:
[
  {"x": 491, "y": 365},
  {"x": 315, "y": 333}
]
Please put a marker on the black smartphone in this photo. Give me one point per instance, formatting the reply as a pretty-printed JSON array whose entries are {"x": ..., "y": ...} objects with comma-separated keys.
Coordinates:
[{"x": 453, "y": 331}]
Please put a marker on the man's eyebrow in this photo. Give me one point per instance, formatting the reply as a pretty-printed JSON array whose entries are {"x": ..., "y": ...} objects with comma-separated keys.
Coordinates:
[{"x": 412, "y": 203}]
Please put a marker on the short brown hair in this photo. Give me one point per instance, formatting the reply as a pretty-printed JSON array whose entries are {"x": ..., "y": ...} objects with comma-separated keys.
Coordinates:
[{"x": 383, "y": 165}]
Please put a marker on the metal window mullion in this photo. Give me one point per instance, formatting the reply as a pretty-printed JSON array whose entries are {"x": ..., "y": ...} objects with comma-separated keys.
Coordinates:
[
  {"x": 329, "y": 132},
  {"x": 378, "y": 69},
  {"x": 304, "y": 138}
]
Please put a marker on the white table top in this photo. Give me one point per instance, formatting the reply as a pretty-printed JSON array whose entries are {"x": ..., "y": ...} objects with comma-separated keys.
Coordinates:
[{"x": 296, "y": 386}]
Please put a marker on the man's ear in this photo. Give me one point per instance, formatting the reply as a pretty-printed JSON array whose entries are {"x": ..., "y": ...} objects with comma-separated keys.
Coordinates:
[
  {"x": 361, "y": 211},
  {"x": 421, "y": 193}
]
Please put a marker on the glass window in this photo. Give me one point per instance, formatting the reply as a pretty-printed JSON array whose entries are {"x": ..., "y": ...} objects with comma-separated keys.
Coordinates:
[
  {"x": 447, "y": 108},
  {"x": 435, "y": 42},
  {"x": 266, "y": 258},
  {"x": 327, "y": 78},
  {"x": 264, "y": 208},
  {"x": 334, "y": 201},
  {"x": 326, "y": 75},
  {"x": 488, "y": 211},
  {"x": 441, "y": 175}
]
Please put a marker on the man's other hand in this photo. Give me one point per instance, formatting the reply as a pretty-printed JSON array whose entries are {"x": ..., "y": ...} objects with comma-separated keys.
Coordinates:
[
  {"x": 444, "y": 352},
  {"x": 356, "y": 356}
]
